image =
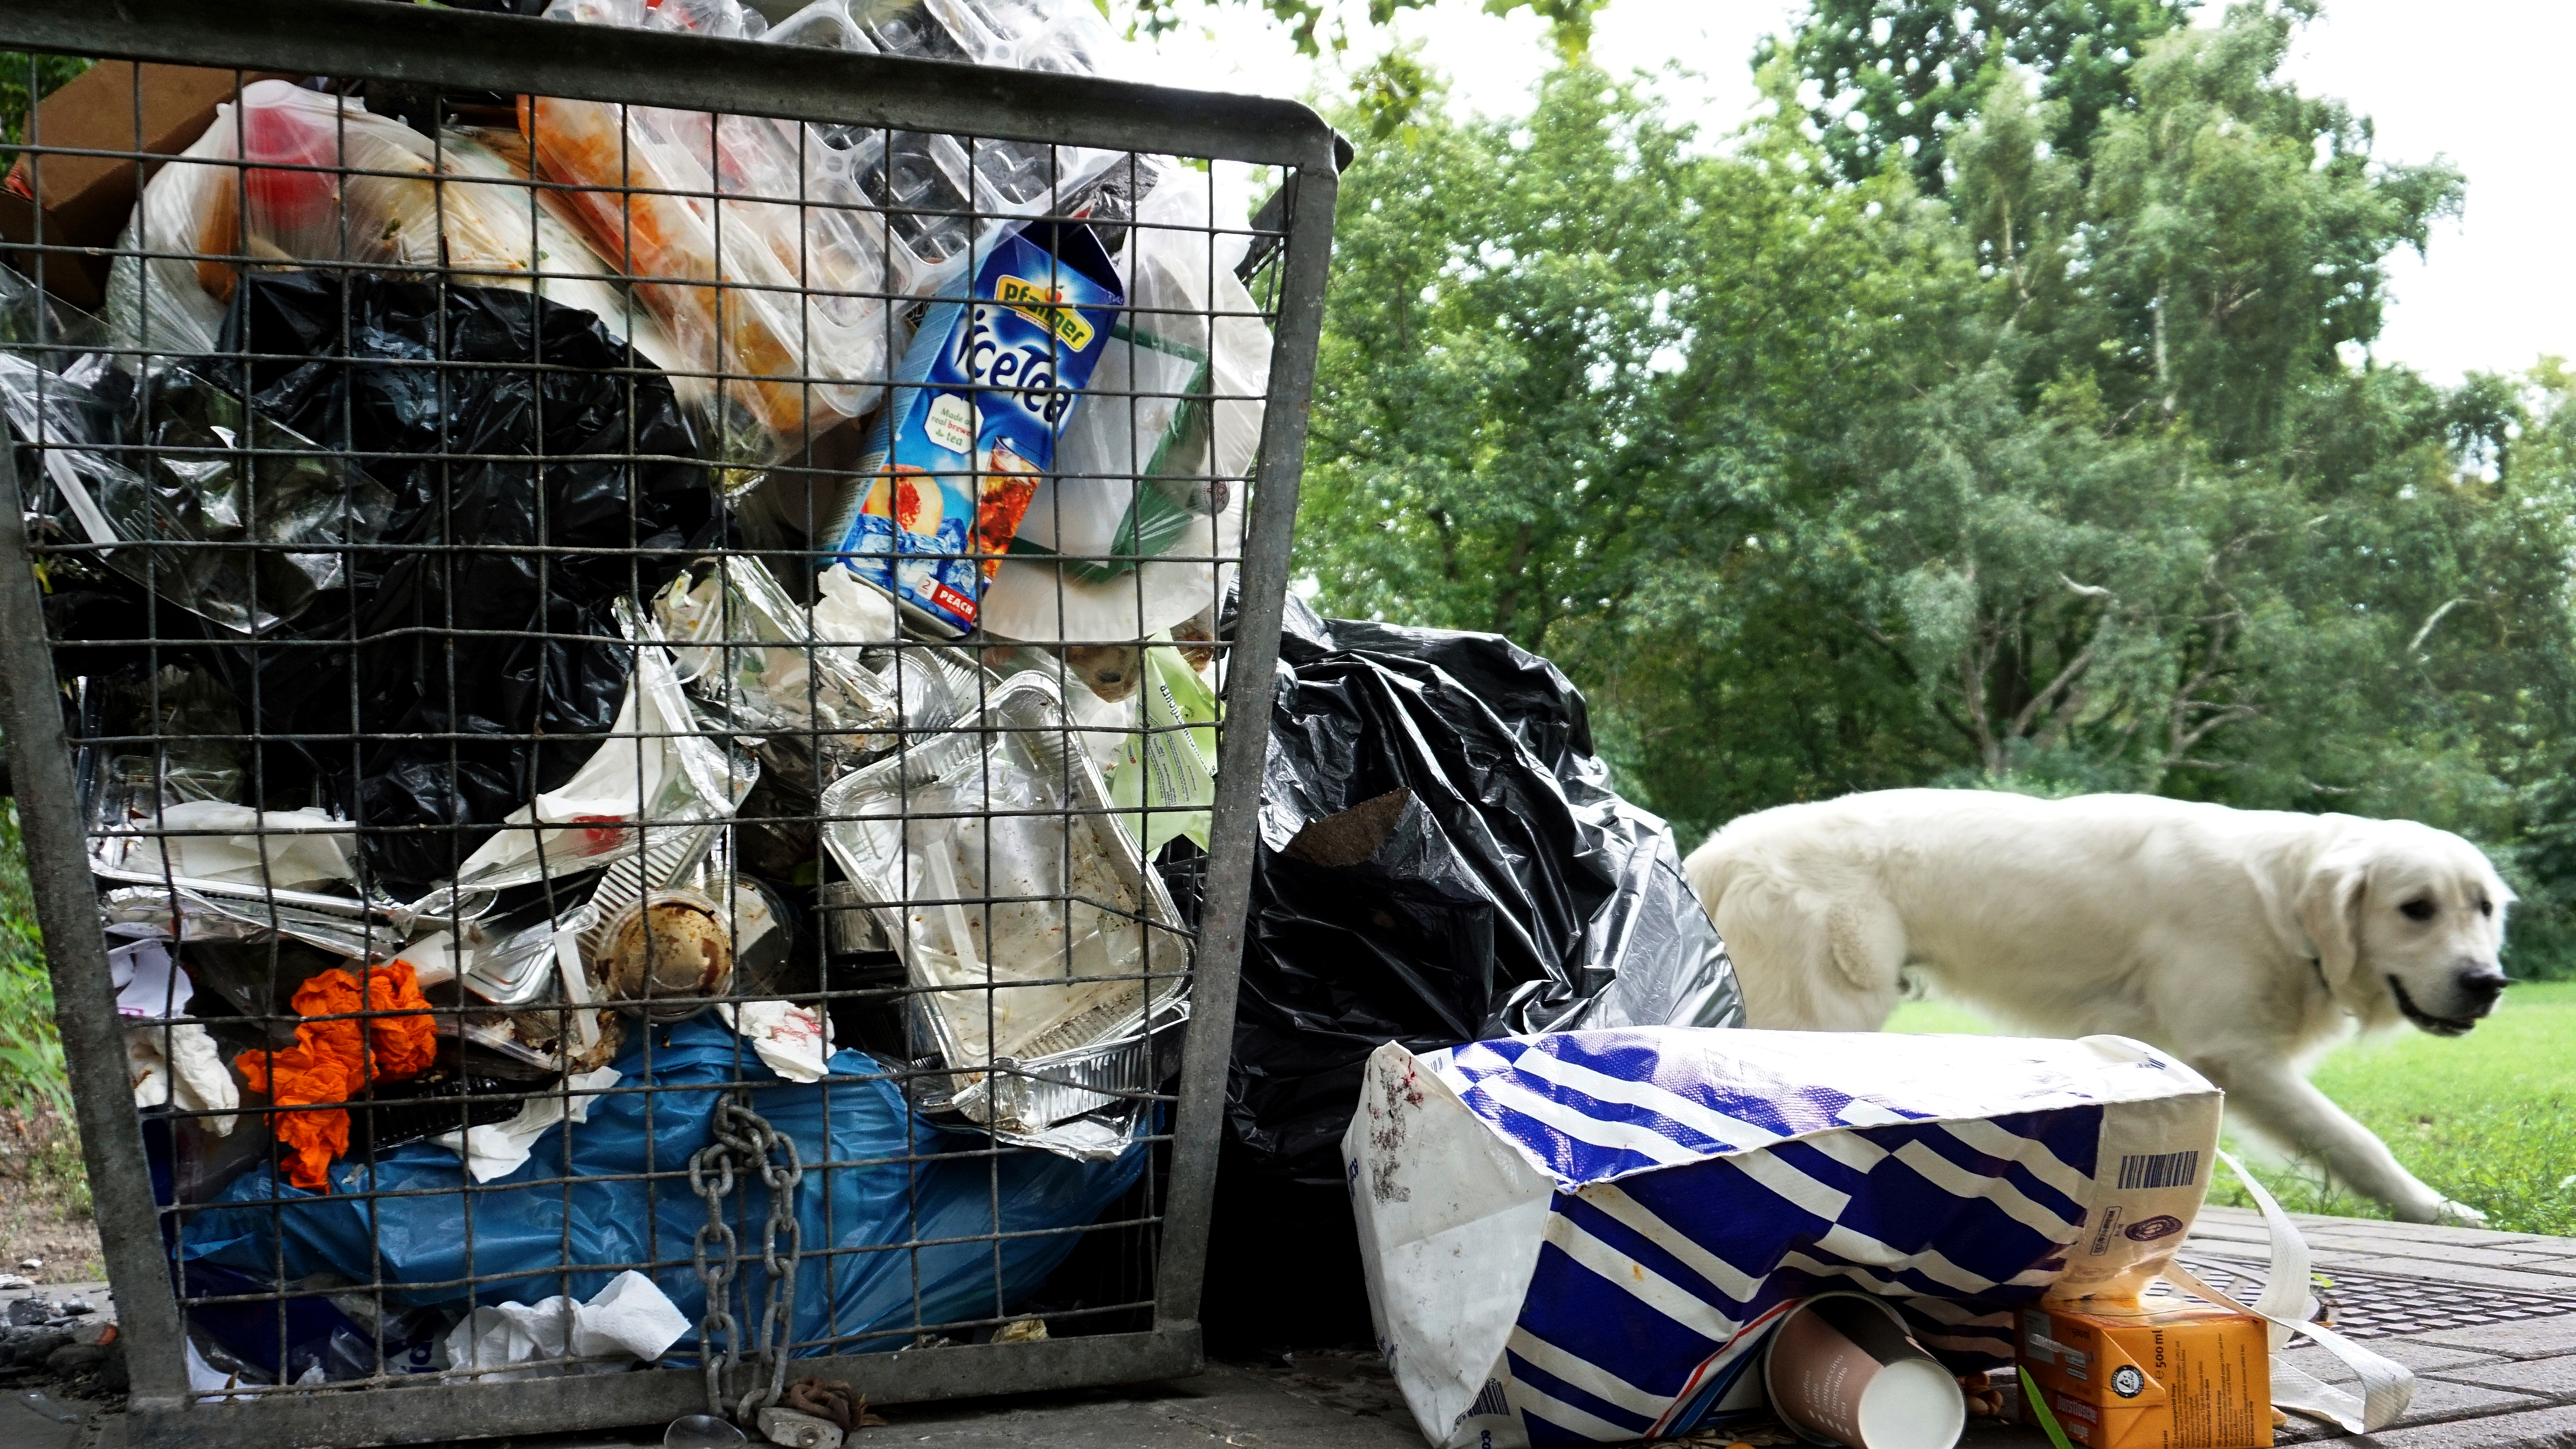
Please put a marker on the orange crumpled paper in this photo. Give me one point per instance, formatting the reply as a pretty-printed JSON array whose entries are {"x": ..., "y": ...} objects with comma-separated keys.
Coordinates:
[{"x": 332, "y": 1061}]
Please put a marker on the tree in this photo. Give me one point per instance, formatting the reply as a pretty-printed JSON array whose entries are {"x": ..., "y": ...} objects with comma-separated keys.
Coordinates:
[
  {"x": 1895, "y": 79},
  {"x": 2076, "y": 477}
]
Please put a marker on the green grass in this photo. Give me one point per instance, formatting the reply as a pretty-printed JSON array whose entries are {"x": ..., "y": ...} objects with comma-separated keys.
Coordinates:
[{"x": 2488, "y": 1119}]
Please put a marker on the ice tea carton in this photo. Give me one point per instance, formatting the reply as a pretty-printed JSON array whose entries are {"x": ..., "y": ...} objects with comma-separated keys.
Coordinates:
[
  {"x": 989, "y": 382},
  {"x": 2153, "y": 1373}
]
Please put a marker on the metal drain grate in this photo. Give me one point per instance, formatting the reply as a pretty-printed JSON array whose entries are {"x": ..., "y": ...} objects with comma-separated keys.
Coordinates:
[{"x": 2378, "y": 1305}]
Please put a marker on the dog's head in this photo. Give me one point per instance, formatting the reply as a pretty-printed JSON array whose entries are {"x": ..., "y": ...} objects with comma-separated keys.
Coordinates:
[{"x": 2407, "y": 921}]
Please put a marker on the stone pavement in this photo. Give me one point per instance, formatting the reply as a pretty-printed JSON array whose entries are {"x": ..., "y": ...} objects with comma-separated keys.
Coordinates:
[{"x": 2487, "y": 1320}]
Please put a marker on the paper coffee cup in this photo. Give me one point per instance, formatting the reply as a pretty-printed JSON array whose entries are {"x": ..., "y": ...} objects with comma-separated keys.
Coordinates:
[{"x": 1841, "y": 1369}]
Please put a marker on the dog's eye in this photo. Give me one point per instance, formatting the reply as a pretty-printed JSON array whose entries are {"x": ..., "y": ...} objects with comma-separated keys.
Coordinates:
[
  {"x": 2417, "y": 910},
  {"x": 2485, "y": 906}
]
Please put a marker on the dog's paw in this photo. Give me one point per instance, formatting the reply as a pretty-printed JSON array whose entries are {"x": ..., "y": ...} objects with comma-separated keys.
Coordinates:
[{"x": 2459, "y": 1214}]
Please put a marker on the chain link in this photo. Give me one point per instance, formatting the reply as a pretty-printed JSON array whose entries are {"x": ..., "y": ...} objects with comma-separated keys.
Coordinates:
[{"x": 744, "y": 1144}]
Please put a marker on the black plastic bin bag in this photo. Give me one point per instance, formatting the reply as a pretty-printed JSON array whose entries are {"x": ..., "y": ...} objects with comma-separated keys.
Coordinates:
[
  {"x": 447, "y": 397},
  {"x": 1442, "y": 859}
]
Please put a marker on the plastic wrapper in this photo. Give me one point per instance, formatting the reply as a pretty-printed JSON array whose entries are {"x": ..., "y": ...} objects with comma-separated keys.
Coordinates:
[
  {"x": 532, "y": 1236},
  {"x": 1442, "y": 859},
  {"x": 235, "y": 197},
  {"x": 507, "y": 639},
  {"x": 507, "y": 232},
  {"x": 980, "y": 882},
  {"x": 766, "y": 665},
  {"x": 730, "y": 250},
  {"x": 1146, "y": 507},
  {"x": 163, "y": 460},
  {"x": 1166, "y": 771}
]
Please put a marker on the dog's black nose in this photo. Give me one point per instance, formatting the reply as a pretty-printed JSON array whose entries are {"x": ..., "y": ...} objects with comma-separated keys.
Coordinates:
[{"x": 2481, "y": 985}]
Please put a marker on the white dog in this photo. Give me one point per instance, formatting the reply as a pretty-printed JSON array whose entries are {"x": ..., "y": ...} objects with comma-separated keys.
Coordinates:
[{"x": 2242, "y": 941}]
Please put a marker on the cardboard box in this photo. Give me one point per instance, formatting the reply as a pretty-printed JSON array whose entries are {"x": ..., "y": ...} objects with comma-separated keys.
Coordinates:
[
  {"x": 2161, "y": 1373},
  {"x": 84, "y": 200}
]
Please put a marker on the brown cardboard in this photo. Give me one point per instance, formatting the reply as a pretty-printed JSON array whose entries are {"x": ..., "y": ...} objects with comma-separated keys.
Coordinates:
[
  {"x": 2158, "y": 1373},
  {"x": 85, "y": 200}
]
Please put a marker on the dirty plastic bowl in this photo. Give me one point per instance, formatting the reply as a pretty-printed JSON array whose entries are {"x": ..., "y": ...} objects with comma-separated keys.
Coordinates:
[{"x": 702, "y": 1431}]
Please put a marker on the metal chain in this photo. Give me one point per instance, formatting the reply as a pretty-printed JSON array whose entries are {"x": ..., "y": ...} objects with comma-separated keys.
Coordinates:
[{"x": 744, "y": 1143}]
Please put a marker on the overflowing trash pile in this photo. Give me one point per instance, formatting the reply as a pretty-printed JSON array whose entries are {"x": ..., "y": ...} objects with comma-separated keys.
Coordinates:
[{"x": 623, "y": 678}]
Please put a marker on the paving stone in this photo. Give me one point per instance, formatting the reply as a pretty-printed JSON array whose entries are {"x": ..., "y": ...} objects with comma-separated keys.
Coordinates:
[
  {"x": 2398, "y": 1266},
  {"x": 2443, "y": 1399},
  {"x": 2529, "y": 1338},
  {"x": 2537, "y": 1429},
  {"x": 2415, "y": 1353},
  {"x": 2555, "y": 1377}
]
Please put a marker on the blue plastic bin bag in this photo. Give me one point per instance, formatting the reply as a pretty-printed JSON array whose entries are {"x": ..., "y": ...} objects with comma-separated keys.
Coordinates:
[{"x": 533, "y": 1234}]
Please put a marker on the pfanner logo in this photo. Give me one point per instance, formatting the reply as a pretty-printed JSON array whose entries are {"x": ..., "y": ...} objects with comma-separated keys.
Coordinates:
[{"x": 1046, "y": 307}]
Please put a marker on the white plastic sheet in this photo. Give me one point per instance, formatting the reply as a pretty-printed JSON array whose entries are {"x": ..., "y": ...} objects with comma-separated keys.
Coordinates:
[{"x": 628, "y": 1320}]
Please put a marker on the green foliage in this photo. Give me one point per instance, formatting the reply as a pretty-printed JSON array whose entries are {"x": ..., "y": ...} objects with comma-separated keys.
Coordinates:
[
  {"x": 26, "y": 79},
  {"x": 1569, "y": 22},
  {"x": 31, "y": 1054},
  {"x": 1894, "y": 80},
  {"x": 2078, "y": 477}
]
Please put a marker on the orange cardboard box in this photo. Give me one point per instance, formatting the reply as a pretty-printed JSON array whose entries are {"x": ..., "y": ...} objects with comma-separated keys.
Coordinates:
[
  {"x": 2161, "y": 1373},
  {"x": 84, "y": 200}
]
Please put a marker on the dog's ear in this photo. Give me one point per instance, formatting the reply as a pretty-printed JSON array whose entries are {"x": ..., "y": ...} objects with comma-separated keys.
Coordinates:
[{"x": 2330, "y": 910}]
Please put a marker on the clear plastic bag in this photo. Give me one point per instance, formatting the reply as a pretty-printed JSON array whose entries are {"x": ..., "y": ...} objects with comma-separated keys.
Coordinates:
[
  {"x": 750, "y": 221},
  {"x": 993, "y": 862},
  {"x": 204, "y": 471},
  {"x": 768, "y": 665},
  {"x": 219, "y": 216}
]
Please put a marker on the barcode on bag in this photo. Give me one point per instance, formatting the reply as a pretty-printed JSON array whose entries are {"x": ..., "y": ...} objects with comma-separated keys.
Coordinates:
[{"x": 2160, "y": 1169}]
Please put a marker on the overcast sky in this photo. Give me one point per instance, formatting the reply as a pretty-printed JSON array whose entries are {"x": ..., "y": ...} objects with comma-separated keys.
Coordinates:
[{"x": 2468, "y": 79}]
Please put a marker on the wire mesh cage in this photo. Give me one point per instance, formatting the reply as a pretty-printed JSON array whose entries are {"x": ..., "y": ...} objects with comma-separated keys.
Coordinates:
[{"x": 639, "y": 642}]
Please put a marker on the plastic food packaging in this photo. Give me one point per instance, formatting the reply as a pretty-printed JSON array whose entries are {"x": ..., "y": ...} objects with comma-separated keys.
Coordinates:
[
  {"x": 1505, "y": 1189},
  {"x": 987, "y": 385},
  {"x": 629, "y": 1319},
  {"x": 766, "y": 665},
  {"x": 728, "y": 237},
  {"x": 244, "y": 194},
  {"x": 1841, "y": 1369},
  {"x": 1067, "y": 926},
  {"x": 532, "y": 1237},
  {"x": 1166, "y": 772},
  {"x": 1442, "y": 859},
  {"x": 506, "y": 232},
  {"x": 1143, "y": 556}
]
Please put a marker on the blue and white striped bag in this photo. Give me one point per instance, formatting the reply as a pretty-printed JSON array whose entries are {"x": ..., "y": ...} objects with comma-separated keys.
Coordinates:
[{"x": 1582, "y": 1237}]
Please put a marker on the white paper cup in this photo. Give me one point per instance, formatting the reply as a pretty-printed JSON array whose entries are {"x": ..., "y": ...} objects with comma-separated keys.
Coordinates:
[{"x": 1841, "y": 1369}]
